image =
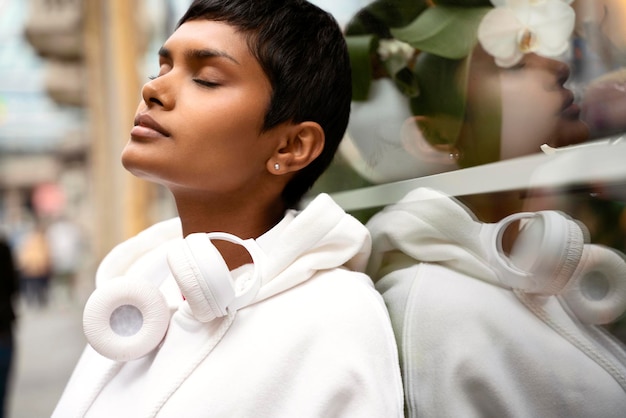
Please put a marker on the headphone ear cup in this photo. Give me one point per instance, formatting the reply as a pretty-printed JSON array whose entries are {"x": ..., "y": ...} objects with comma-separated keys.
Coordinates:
[
  {"x": 545, "y": 253},
  {"x": 125, "y": 319},
  {"x": 596, "y": 294},
  {"x": 202, "y": 275}
]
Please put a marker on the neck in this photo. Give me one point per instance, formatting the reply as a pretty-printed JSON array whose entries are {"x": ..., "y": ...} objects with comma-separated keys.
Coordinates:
[
  {"x": 493, "y": 207},
  {"x": 249, "y": 218}
]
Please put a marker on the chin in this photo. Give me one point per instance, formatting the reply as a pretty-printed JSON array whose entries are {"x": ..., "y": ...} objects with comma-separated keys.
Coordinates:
[
  {"x": 570, "y": 133},
  {"x": 136, "y": 164},
  {"x": 128, "y": 159}
]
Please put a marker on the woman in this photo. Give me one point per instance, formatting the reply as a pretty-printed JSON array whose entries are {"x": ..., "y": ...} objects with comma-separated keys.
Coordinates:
[{"x": 261, "y": 310}]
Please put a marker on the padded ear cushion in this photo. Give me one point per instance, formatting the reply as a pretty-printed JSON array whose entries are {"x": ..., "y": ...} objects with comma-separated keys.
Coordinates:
[
  {"x": 203, "y": 276},
  {"x": 125, "y": 319},
  {"x": 549, "y": 247},
  {"x": 546, "y": 251},
  {"x": 596, "y": 294}
]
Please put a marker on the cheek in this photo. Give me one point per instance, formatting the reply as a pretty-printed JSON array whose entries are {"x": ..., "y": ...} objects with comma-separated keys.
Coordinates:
[
  {"x": 528, "y": 108},
  {"x": 531, "y": 95},
  {"x": 228, "y": 117},
  {"x": 218, "y": 136},
  {"x": 529, "y": 115}
]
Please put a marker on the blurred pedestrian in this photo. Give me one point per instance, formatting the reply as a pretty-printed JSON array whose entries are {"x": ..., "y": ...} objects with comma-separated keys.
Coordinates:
[
  {"x": 8, "y": 289},
  {"x": 66, "y": 243},
  {"x": 35, "y": 267}
]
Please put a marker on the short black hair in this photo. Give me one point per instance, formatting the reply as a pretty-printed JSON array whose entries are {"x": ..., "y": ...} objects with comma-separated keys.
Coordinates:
[{"x": 303, "y": 53}]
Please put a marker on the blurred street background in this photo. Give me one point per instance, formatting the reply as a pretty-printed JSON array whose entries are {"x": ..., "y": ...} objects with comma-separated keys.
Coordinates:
[
  {"x": 49, "y": 341},
  {"x": 71, "y": 73}
]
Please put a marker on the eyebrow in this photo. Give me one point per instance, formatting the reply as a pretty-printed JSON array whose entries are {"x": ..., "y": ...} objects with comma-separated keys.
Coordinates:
[{"x": 199, "y": 54}]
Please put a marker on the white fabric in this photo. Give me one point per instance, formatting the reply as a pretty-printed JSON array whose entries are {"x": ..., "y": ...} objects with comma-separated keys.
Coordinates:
[
  {"x": 315, "y": 342},
  {"x": 470, "y": 347}
]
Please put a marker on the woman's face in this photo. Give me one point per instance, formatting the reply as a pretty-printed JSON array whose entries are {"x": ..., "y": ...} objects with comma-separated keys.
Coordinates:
[
  {"x": 535, "y": 108},
  {"x": 198, "y": 126}
]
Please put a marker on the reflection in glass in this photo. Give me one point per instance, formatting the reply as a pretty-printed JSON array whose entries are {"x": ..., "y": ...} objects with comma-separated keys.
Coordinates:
[{"x": 445, "y": 85}]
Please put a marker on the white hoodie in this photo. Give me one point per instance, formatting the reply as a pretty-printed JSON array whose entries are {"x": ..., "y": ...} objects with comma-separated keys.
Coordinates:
[
  {"x": 315, "y": 342},
  {"x": 469, "y": 346}
]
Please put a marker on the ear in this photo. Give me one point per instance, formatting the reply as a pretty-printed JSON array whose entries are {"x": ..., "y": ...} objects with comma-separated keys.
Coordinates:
[
  {"x": 427, "y": 139},
  {"x": 299, "y": 146}
]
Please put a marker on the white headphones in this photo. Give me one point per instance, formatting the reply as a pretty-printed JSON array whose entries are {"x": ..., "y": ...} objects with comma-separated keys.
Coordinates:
[
  {"x": 204, "y": 278},
  {"x": 126, "y": 318},
  {"x": 550, "y": 257},
  {"x": 596, "y": 294}
]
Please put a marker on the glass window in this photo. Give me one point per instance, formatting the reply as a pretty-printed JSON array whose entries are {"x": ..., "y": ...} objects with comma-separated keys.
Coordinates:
[
  {"x": 495, "y": 108},
  {"x": 482, "y": 102}
]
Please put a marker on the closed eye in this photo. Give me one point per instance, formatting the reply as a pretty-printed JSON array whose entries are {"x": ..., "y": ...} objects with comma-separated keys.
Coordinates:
[
  {"x": 517, "y": 66},
  {"x": 206, "y": 83}
]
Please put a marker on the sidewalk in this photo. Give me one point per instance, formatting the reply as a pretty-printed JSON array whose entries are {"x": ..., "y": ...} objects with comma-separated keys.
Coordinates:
[{"x": 49, "y": 341}]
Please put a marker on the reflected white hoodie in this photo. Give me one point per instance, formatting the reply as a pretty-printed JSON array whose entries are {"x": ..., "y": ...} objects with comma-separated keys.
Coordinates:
[
  {"x": 315, "y": 342},
  {"x": 470, "y": 347}
]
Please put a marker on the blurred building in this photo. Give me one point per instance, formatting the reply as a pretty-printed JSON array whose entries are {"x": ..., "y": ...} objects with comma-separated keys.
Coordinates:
[
  {"x": 70, "y": 77},
  {"x": 41, "y": 141}
]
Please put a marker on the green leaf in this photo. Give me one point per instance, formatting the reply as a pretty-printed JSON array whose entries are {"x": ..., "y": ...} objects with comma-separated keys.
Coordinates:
[
  {"x": 403, "y": 76},
  {"x": 407, "y": 82},
  {"x": 396, "y": 13},
  {"x": 443, "y": 95},
  {"x": 361, "y": 48},
  {"x": 379, "y": 16},
  {"x": 450, "y": 32}
]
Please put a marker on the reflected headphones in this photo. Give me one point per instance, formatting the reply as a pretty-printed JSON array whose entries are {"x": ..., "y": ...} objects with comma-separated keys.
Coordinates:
[
  {"x": 550, "y": 257},
  {"x": 126, "y": 318}
]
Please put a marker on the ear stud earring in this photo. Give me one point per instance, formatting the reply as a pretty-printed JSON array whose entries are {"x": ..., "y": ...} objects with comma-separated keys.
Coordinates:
[{"x": 276, "y": 166}]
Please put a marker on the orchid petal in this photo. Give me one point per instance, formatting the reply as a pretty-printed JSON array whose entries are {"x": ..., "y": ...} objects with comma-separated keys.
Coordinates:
[
  {"x": 514, "y": 4},
  {"x": 517, "y": 27},
  {"x": 555, "y": 24},
  {"x": 498, "y": 31},
  {"x": 508, "y": 62},
  {"x": 552, "y": 52}
]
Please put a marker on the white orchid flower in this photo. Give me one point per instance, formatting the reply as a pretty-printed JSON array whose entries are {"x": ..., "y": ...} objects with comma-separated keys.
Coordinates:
[
  {"x": 517, "y": 27},
  {"x": 393, "y": 47}
]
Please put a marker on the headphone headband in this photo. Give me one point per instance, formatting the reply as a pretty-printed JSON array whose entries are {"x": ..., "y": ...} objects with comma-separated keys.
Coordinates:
[{"x": 206, "y": 281}]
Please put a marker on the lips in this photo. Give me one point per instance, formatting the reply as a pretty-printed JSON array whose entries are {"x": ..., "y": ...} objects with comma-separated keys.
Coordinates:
[
  {"x": 146, "y": 127},
  {"x": 569, "y": 109}
]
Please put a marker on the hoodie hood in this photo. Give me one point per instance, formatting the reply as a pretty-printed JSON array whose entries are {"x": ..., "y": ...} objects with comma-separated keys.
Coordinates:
[
  {"x": 430, "y": 227},
  {"x": 320, "y": 237}
]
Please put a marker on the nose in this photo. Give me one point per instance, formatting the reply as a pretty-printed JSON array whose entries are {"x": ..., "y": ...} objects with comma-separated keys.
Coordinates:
[
  {"x": 156, "y": 93},
  {"x": 559, "y": 71}
]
